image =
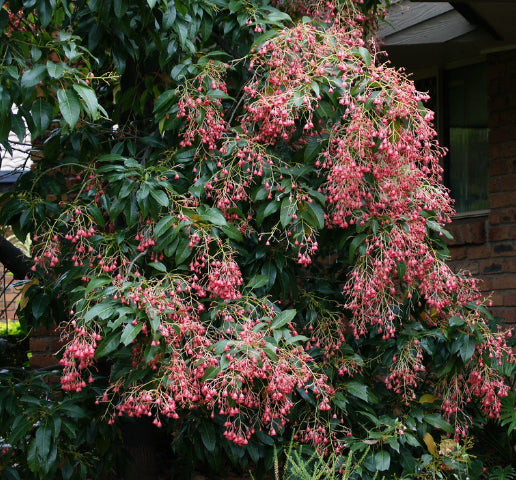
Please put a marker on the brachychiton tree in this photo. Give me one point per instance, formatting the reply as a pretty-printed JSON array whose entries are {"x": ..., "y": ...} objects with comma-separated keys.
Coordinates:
[{"x": 237, "y": 219}]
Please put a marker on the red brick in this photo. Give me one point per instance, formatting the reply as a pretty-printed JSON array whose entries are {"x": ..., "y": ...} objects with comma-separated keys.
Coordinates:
[
  {"x": 504, "y": 215},
  {"x": 504, "y": 249},
  {"x": 502, "y": 232},
  {"x": 41, "y": 360},
  {"x": 501, "y": 103},
  {"x": 468, "y": 232},
  {"x": 505, "y": 199},
  {"x": 458, "y": 253},
  {"x": 497, "y": 298},
  {"x": 42, "y": 332},
  {"x": 503, "y": 281},
  {"x": 509, "y": 298},
  {"x": 476, "y": 252},
  {"x": 507, "y": 116},
  {"x": 468, "y": 266},
  {"x": 49, "y": 344},
  {"x": 508, "y": 314},
  {"x": 501, "y": 153},
  {"x": 485, "y": 284},
  {"x": 489, "y": 267},
  {"x": 502, "y": 183}
]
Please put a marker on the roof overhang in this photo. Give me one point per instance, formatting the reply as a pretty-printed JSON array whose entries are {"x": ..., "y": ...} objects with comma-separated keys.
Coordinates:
[{"x": 422, "y": 33}]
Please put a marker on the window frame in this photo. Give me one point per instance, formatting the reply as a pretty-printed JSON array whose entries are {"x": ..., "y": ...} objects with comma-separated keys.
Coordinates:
[{"x": 441, "y": 113}]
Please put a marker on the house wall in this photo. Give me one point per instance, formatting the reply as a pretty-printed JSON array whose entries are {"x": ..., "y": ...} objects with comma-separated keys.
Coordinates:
[{"x": 486, "y": 245}]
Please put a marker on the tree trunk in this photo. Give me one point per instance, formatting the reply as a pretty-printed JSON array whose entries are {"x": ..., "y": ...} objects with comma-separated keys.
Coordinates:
[{"x": 14, "y": 259}]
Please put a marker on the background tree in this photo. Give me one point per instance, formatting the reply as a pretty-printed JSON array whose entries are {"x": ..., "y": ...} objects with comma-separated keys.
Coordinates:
[{"x": 237, "y": 220}]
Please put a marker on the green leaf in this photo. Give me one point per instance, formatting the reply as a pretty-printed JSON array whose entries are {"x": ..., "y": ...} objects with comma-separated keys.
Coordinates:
[
  {"x": 357, "y": 389},
  {"x": 276, "y": 17},
  {"x": 66, "y": 470},
  {"x": 69, "y": 105},
  {"x": 325, "y": 110},
  {"x": 55, "y": 70},
  {"x": 220, "y": 346},
  {"x": 394, "y": 444},
  {"x": 208, "y": 437},
  {"x": 18, "y": 126},
  {"x": 285, "y": 213},
  {"x": 437, "y": 421},
  {"x": 382, "y": 461},
  {"x": 266, "y": 210},
  {"x": 101, "y": 310},
  {"x": 73, "y": 410},
  {"x": 183, "y": 250},
  {"x": 151, "y": 3},
  {"x": 40, "y": 305},
  {"x": 257, "y": 281},
  {"x": 234, "y": 6},
  {"x": 160, "y": 267},
  {"x": 213, "y": 215},
  {"x": 96, "y": 283},
  {"x": 90, "y": 100},
  {"x": 43, "y": 441},
  {"x": 317, "y": 213},
  {"x": 217, "y": 94},
  {"x": 364, "y": 54},
  {"x": 456, "y": 322},
  {"x": 160, "y": 196},
  {"x": 165, "y": 101},
  {"x": 130, "y": 333},
  {"x": 437, "y": 228},
  {"x": 10, "y": 473},
  {"x": 283, "y": 318},
  {"x": 271, "y": 272},
  {"x": 232, "y": 232},
  {"x": 4, "y": 19},
  {"x": 358, "y": 240},
  {"x": 402, "y": 268},
  {"x": 19, "y": 429},
  {"x": 108, "y": 344},
  {"x": 120, "y": 8},
  {"x": 42, "y": 113},
  {"x": 45, "y": 9},
  {"x": 31, "y": 78},
  {"x": 163, "y": 225},
  {"x": 312, "y": 150},
  {"x": 182, "y": 32},
  {"x": 468, "y": 348},
  {"x": 296, "y": 339},
  {"x": 340, "y": 400},
  {"x": 32, "y": 457}
]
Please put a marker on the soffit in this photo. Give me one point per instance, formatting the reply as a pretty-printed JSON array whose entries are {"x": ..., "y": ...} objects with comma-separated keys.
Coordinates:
[{"x": 417, "y": 34}]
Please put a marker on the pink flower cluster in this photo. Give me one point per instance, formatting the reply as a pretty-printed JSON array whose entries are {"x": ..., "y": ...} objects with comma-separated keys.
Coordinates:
[
  {"x": 203, "y": 112},
  {"x": 404, "y": 373},
  {"x": 78, "y": 356}
]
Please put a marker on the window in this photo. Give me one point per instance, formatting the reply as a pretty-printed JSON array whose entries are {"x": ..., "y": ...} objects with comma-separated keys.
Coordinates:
[
  {"x": 459, "y": 98},
  {"x": 465, "y": 94}
]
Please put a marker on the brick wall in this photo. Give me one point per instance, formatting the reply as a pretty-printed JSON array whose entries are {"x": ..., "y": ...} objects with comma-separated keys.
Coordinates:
[
  {"x": 486, "y": 245},
  {"x": 44, "y": 344}
]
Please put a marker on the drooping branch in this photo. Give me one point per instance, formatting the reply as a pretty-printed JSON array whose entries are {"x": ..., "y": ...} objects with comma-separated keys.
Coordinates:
[{"x": 14, "y": 259}]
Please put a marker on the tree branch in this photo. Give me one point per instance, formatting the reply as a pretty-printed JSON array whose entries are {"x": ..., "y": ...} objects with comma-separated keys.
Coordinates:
[{"x": 14, "y": 259}]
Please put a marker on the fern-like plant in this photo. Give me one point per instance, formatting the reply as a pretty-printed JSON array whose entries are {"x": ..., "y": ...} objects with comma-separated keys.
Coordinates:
[
  {"x": 508, "y": 413},
  {"x": 499, "y": 473}
]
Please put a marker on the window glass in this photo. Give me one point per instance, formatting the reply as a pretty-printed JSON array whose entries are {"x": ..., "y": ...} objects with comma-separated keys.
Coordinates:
[{"x": 467, "y": 136}]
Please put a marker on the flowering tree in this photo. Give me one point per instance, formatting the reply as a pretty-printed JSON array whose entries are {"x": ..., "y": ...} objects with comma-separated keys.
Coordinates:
[{"x": 237, "y": 219}]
